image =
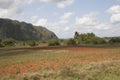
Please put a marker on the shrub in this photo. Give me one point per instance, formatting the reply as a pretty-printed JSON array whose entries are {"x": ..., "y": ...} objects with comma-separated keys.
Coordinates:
[
  {"x": 1, "y": 45},
  {"x": 114, "y": 40},
  {"x": 8, "y": 42},
  {"x": 88, "y": 38},
  {"x": 32, "y": 43},
  {"x": 70, "y": 42},
  {"x": 53, "y": 42},
  {"x": 98, "y": 40}
]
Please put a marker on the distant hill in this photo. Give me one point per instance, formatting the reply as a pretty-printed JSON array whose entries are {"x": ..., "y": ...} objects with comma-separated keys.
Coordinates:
[
  {"x": 23, "y": 31},
  {"x": 112, "y": 37}
]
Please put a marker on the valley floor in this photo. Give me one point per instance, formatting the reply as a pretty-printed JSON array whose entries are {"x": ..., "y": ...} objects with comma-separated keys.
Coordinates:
[{"x": 60, "y": 63}]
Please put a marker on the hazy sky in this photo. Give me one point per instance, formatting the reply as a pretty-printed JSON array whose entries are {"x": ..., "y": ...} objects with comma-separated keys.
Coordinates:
[{"x": 64, "y": 17}]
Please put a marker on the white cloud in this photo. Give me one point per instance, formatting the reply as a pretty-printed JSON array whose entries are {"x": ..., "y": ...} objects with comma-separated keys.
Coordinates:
[
  {"x": 84, "y": 24},
  {"x": 65, "y": 27},
  {"x": 115, "y": 18},
  {"x": 102, "y": 26},
  {"x": 29, "y": 1},
  {"x": 114, "y": 9},
  {"x": 66, "y": 15},
  {"x": 61, "y": 29},
  {"x": 65, "y": 18},
  {"x": 41, "y": 22},
  {"x": 10, "y": 8},
  {"x": 59, "y": 3},
  {"x": 34, "y": 18},
  {"x": 87, "y": 20},
  {"x": 115, "y": 12},
  {"x": 4, "y": 4},
  {"x": 64, "y": 3}
]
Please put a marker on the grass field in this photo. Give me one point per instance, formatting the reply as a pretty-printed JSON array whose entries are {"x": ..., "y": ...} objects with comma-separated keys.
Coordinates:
[{"x": 74, "y": 63}]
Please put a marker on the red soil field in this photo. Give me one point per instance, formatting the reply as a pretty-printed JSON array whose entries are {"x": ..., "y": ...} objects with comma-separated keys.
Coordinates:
[{"x": 61, "y": 60}]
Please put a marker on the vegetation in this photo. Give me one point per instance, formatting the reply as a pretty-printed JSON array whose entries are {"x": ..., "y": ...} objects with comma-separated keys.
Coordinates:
[
  {"x": 21, "y": 31},
  {"x": 32, "y": 43},
  {"x": 88, "y": 38},
  {"x": 114, "y": 40},
  {"x": 70, "y": 42},
  {"x": 8, "y": 42},
  {"x": 1, "y": 45},
  {"x": 91, "y": 71},
  {"x": 53, "y": 42},
  {"x": 55, "y": 63},
  {"x": 75, "y": 64}
]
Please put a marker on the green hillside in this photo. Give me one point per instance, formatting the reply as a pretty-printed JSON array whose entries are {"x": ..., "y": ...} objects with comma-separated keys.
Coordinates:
[{"x": 23, "y": 31}]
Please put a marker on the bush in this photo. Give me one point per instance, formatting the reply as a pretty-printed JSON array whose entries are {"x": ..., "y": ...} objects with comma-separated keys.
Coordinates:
[
  {"x": 8, "y": 42},
  {"x": 1, "y": 43},
  {"x": 70, "y": 42},
  {"x": 114, "y": 40},
  {"x": 88, "y": 38},
  {"x": 53, "y": 42},
  {"x": 32, "y": 43},
  {"x": 98, "y": 40}
]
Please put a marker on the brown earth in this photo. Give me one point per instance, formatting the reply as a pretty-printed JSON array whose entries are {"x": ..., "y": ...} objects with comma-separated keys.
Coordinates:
[{"x": 65, "y": 60}]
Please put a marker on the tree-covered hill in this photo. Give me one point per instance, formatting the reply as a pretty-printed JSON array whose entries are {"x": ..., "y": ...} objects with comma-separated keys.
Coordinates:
[{"x": 23, "y": 31}]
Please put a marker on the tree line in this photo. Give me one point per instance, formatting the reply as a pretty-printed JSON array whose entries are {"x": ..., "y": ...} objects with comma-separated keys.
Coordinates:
[
  {"x": 79, "y": 39},
  {"x": 85, "y": 39}
]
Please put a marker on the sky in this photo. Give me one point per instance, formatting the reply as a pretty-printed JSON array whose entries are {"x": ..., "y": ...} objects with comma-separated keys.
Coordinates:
[{"x": 65, "y": 17}]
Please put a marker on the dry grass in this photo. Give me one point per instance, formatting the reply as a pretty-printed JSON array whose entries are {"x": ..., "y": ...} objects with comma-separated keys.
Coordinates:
[
  {"x": 74, "y": 64},
  {"x": 105, "y": 70}
]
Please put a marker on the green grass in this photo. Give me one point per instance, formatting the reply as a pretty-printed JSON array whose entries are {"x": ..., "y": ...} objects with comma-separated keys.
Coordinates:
[{"x": 8, "y": 57}]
